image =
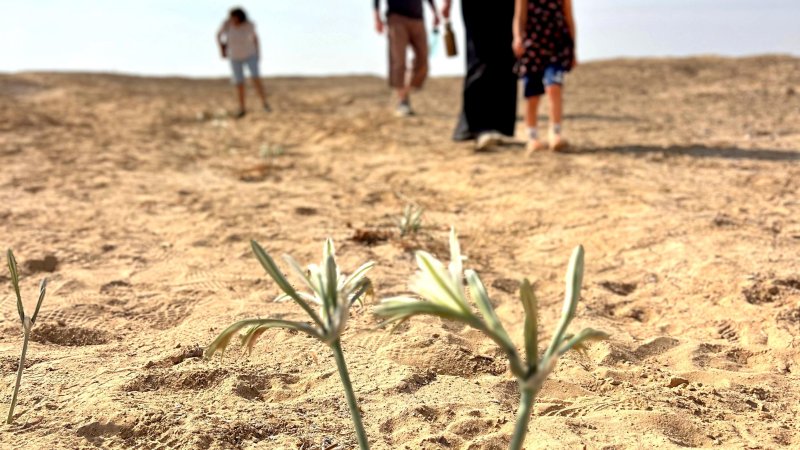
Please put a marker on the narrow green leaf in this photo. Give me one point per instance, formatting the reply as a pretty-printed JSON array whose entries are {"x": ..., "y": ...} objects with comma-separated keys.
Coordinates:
[
  {"x": 572, "y": 294},
  {"x": 355, "y": 278},
  {"x": 330, "y": 271},
  {"x": 531, "y": 307},
  {"x": 273, "y": 271},
  {"x": 401, "y": 308},
  {"x": 481, "y": 298},
  {"x": 357, "y": 293},
  {"x": 574, "y": 280},
  {"x": 579, "y": 339},
  {"x": 223, "y": 340},
  {"x": 42, "y": 292},
  {"x": 328, "y": 251},
  {"x": 416, "y": 219},
  {"x": 12, "y": 268},
  {"x": 332, "y": 281},
  {"x": 304, "y": 295},
  {"x": 301, "y": 273},
  {"x": 456, "y": 262},
  {"x": 251, "y": 336}
]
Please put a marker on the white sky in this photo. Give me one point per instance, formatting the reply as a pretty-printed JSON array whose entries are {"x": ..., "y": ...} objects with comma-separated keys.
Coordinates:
[{"x": 176, "y": 37}]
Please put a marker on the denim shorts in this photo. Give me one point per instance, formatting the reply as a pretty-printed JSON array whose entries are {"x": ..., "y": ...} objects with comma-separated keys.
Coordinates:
[
  {"x": 535, "y": 83},
  {"x": 238, "y": 69}
]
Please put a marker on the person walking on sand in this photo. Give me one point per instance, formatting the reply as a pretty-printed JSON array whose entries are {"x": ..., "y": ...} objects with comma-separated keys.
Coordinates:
[
  {"x": 406, "y": 27},
  {"x": 544, "y": 42},
  {"x": 489, "y": 111},
  {"x": 238, "y": 42}
]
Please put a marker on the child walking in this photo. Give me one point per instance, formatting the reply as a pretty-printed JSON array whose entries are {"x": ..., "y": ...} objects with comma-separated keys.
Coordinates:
[
  {"x": 238, "y": 42},
  {"x": 544, "y": 42}
]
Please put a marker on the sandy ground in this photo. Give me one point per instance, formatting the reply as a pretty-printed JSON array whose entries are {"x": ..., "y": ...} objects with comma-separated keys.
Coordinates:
[{"x": 683, "y": 187}]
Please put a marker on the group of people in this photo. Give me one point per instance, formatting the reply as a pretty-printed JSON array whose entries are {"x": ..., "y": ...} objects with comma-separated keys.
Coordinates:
[{"x": 506, "y": 40}]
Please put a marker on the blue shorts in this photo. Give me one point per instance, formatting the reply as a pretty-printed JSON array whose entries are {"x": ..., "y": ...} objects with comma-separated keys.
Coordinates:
[
  {"x": 238, "y": 69},
  {"x": 535, "y": 83}
]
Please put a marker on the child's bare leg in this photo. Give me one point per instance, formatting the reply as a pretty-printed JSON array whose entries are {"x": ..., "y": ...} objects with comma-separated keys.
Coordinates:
[
  {"x": 532, "y": 121},
  {"x": 554, "y": 95}
]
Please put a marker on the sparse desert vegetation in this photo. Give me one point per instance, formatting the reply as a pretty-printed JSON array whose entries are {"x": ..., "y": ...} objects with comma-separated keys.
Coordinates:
[
  {"x": 138, "y": 201},
  {"x": 26, "y": 321}
]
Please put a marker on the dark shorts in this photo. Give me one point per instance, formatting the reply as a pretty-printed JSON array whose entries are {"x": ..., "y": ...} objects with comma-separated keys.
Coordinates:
[{"x": 535, "y": 83}]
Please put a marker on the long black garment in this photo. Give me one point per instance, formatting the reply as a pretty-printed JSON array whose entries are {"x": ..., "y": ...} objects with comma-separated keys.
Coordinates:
[{"x": 490, "y": 86}]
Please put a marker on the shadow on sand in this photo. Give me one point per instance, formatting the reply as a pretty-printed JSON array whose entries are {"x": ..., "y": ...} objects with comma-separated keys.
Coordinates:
[{"x": 697, "y": 151}]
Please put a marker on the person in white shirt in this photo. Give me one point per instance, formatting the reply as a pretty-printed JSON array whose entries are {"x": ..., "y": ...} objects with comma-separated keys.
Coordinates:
[{"x": 238, "y": 42}]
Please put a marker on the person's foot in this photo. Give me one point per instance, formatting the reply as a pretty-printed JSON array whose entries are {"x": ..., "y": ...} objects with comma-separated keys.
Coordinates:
[
  {"x": 239, "y": 114},
  {"x": 487, "y": 140},
  {"x": 533, "y": 146},
  {"x": 558, "y": 143},
  {"x": 404, "y": 109}
]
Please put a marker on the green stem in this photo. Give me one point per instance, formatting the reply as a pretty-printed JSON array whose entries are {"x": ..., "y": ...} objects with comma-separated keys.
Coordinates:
[
  {"x": 355, "y": 413},
  {"x": 27, "y": 331},
  {"x": 523, "y": 418}
]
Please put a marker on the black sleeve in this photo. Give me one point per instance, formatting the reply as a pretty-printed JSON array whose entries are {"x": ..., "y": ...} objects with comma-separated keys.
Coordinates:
[{"x": 377, "y": 4}]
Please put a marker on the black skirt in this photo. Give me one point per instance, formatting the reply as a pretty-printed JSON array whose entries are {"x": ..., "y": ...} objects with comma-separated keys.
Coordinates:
[{"x": 490, "y": 86}]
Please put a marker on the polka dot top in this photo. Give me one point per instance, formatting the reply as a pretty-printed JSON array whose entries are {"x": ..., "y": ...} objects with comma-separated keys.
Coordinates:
[{"x": 547, "y": 38}]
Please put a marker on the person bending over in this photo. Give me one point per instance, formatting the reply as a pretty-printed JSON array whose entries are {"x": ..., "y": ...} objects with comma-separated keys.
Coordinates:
[
  {"x": 406, "y": 28},
  {"x": 238, "y": 42},
  {"x": 544, "y": 42}
]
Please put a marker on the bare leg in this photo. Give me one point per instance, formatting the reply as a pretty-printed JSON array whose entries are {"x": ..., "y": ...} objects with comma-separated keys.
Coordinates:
[
  {"x": 403, "y": 93},
  {"x": 240, "y": 94},
  {"x": 554, "y": 95},
  {"x": 260, "y": 90},
  {"x": 532, "y": 121},
  {"x": 398, "y": 46}
]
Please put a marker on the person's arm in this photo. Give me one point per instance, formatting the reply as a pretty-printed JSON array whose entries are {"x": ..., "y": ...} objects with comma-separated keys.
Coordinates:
[
  {"x": 446, "y": 5},
  {"x": 436, "y": 18},
  {"x": 520, "y": 19},
  {"x": 573, "y": 31},
  {"x": 222, "y": 32},
  {"x": 378, "y": 18}
]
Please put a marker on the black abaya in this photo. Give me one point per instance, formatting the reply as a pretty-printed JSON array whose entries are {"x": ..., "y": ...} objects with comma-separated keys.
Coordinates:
[{"x": 490, "y": 86}]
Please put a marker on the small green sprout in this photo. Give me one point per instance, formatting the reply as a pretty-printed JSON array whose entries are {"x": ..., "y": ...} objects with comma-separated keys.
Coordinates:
[
  {"x": 411, "y": 220},
  {"x": 270, "y": 151},
  {"x": 27, "y": 324},
  {"x": 329, "y": 289},
  {"x": 443, "y": 295}
]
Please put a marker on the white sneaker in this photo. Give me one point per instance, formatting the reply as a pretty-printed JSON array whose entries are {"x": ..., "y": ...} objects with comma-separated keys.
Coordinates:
[
  {"x": 487, "y": 140},
  {"x": 403, "y": 110}
]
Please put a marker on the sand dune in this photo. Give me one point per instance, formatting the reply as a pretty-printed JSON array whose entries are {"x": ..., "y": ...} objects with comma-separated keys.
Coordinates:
[{"x": 683, "y": 187}]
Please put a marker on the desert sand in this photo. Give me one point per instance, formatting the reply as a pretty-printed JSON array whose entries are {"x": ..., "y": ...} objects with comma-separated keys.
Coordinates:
[{"x": 137, "y": 198}]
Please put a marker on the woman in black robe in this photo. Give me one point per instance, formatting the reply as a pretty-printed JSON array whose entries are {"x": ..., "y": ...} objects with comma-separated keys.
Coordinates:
[{"x": 490, "y": 85}]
